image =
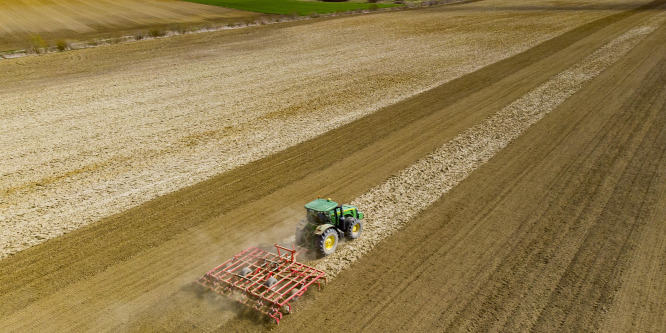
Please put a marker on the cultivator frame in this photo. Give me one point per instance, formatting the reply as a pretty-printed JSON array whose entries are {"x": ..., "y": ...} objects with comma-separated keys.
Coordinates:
[{"x": 246, "y": 276}]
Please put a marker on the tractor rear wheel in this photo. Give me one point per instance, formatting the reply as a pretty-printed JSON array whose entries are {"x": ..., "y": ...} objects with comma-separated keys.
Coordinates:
[
  {"x": 327, "y": 242},
  {"x": 354, "y": 228}
]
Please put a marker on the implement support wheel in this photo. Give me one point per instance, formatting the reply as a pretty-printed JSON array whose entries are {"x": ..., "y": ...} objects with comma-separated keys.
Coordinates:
[{"x": 327, "y": 242}]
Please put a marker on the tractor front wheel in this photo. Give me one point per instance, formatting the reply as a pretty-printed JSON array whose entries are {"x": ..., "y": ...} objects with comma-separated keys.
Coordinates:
[
  {"x": 327, "y": 242},
  {"x": 354, "y": 228}
]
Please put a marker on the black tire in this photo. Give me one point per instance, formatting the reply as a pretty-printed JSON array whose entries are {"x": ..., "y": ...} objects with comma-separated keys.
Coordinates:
[
  {"x": 324, "y": 248},
  {"x": 354, "y": 227}
]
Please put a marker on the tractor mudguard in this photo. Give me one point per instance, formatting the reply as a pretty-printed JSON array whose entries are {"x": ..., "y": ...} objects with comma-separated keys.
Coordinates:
[{"x": 320, "y": 229}]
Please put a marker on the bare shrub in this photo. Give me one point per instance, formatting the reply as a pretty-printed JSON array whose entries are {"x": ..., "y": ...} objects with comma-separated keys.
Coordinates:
[
  {"x": 156, "y": 33},
  {"x": 62, "y": 45},
  {"x": 181, "y": 29},
  {"x": 37, "y": 44}
]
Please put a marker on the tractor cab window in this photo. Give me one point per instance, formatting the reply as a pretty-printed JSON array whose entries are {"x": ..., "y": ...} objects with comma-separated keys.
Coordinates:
[{"x": 316, "y": 217}]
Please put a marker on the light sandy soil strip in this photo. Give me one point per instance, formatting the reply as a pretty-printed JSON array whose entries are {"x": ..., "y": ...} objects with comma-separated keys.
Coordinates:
[
  {"x": 77, "y": 148},
  {"x": 390, "y": 205}
]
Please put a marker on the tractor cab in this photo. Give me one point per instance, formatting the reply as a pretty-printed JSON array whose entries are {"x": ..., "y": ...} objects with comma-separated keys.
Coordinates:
[{"x": 318, "y": 218}]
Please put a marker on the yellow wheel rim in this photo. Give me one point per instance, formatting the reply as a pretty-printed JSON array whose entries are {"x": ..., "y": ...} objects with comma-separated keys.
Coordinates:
[
  {"x": 356, "y": 227},
  {"x": 330, "y": 241}
]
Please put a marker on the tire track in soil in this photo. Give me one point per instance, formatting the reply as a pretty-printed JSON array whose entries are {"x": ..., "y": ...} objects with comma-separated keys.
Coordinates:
[
  {"x": 151, "y": 232},
  {"x": 556, "y": 248},
  {"x": 606, "y": 249},
  {"x": 471, "y": 263},
  {"x": 639, "y": 299}
]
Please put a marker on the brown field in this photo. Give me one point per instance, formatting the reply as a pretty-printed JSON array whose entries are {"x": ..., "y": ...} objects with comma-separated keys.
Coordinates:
[
  {"x": 75, "y": 20},
  {"x": 76, "y": 158},
  {"x": 510, "y": 156}
]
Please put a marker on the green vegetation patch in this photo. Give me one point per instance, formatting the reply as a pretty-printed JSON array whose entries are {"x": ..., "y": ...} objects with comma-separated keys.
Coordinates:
[{"x": 289, "y": 7}]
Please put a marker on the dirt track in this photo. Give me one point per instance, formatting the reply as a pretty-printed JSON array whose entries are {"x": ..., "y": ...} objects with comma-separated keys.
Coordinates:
[{"x": 544, "y": 235}]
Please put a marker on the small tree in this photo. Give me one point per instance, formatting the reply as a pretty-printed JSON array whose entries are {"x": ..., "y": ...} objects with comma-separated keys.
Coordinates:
[
  {"x": 155, "y": 32},
  {"x": 61, "y": 45},
  {"x": 37, "y": 43}
]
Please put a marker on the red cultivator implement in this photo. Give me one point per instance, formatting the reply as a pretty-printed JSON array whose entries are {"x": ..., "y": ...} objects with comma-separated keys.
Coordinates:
[{"x": 262, "y": 280}]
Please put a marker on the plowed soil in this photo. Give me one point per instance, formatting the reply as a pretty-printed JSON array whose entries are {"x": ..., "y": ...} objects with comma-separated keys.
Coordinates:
[
  {"x": 90, "y": 134},
  {"x": 561, "y": 230}
]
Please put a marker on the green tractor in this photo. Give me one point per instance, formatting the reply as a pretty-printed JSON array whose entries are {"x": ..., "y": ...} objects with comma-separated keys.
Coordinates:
[{"x": 325, "y": 223}]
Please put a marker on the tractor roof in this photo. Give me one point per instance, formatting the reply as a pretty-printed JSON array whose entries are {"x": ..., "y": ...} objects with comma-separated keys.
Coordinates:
[{"x": 321, "y": 205}]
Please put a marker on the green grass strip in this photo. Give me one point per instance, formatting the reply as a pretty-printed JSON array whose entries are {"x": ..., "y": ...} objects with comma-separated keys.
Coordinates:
[{"x": 290, "y": 7}]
